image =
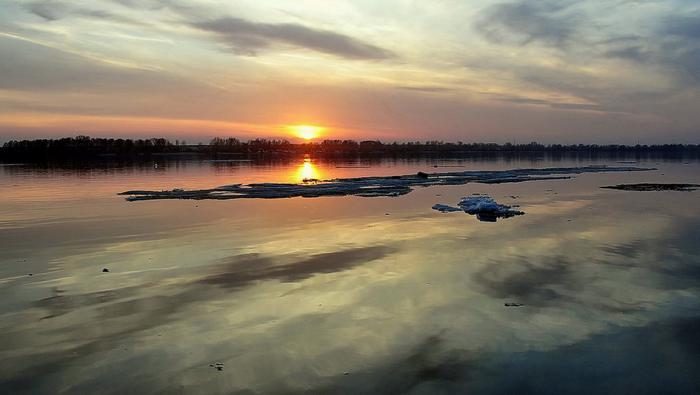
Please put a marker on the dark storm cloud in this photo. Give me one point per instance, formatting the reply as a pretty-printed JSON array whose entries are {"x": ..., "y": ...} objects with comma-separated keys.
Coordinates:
[
  {"x": 243, "y": 36},
  {"x": 525, "y": 22}
]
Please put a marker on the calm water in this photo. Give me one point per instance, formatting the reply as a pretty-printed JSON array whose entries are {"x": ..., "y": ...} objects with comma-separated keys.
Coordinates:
[{"x": 347, "y": 294}]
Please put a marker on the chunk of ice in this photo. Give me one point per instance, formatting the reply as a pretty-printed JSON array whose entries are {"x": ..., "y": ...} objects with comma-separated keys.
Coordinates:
[
  {"x": 443, "y": 208},
  {"x": 483, "y": 206}
]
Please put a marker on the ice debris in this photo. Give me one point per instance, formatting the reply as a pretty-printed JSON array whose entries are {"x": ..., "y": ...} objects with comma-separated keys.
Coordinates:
[
  {"x": 443, "y": 208},
  {"x": 371, "y": 186},
  {"x": 484, "y": 207}
]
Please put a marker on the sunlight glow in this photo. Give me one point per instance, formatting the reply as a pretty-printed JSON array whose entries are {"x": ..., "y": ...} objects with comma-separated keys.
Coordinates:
[
  {"x": 306, "y": 132},
  {"x": 307, "y": 172}
]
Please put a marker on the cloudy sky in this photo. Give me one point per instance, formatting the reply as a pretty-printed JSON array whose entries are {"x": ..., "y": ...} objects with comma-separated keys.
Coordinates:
[{"x": 597, "y": 71}]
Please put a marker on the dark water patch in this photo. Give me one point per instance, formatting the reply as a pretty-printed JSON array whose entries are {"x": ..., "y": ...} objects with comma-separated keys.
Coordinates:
[
  {"x": 633, "y": 249},
  {"x": 533, "y": 284},
  {"x": 649, "y": 187},
  {"x": 666, "y": 361},
  {"x": 239, "y": 274},
  {"x": 674, "y": 256},
  {"x": 61, "y": 302},
  {"x": 660, "y": 358},
  {"x": 430, "y": 363}
]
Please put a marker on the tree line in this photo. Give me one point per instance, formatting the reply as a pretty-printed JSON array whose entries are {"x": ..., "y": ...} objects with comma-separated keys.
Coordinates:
[{"x": 85, "y": 147}]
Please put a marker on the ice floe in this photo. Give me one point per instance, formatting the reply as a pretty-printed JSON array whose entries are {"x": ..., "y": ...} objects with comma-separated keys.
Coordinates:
[
  {"x": 371, "y": 186},
  {"x": 443, "y": 208},
  {"x": 483, "y": 206}
]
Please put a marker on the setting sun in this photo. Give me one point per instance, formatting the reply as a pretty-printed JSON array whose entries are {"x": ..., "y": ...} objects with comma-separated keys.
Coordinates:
[{"x": 306, "y": 132}]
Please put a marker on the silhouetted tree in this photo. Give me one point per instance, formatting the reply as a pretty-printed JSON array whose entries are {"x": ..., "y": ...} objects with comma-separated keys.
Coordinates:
[{"x": 84, "y": 147}]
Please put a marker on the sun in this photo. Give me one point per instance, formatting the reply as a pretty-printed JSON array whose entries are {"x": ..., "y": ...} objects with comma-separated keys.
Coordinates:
[{"x": 306, "y": 132}]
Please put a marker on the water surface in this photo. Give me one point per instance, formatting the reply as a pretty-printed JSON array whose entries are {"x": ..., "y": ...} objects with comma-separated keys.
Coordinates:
[{"x": 347, "y": 294}]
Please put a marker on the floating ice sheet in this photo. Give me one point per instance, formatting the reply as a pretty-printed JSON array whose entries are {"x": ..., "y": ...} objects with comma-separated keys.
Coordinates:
[
  {"x": 371, "y": 186},
  {"x": 443, "y": 208}
]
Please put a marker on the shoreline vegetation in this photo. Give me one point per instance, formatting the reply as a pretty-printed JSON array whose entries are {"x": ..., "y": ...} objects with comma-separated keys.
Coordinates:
[{"x": 88, "y": 148}]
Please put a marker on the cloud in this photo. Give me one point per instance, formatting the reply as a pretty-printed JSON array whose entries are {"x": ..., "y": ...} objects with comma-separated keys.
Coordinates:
[
  {"x": 577, "y": 106},
  {"x": 601, "y": 57},
  {"x": 247, "y": 37},
  {"x": 684, "y": 26},
  {"x": 634, "y": 53},
  {"x": 671, "y": 44},
  {"x": 426, "y": 89},
  {"x": 47, "y": 10},
  {"x": 25, "y": 69},
  {"x": 525, "y": 22},
  {"x": 551, "y": 104},
  {"x": 238, "y": 34},
  {"x": 591, "y": 43},
  {"x": 681, "y": 48},
  {"x": 54, "y": 10}
]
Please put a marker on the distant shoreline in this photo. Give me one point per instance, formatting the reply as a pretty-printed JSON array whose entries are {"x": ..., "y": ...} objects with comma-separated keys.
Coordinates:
[{"x": 96, "y": 149}]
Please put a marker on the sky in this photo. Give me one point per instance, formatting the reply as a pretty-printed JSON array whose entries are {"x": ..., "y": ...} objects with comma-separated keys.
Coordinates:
[{"x": 554, "y": 71}]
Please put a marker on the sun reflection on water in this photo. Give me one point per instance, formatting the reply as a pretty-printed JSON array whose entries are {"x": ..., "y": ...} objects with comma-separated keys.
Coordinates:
[{"x": 307, "y": 171}]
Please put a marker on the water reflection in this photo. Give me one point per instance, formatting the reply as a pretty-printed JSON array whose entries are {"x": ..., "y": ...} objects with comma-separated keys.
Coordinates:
[
  {"x": 331, "y": 295},
  {"x": 307, "y": 172}
]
